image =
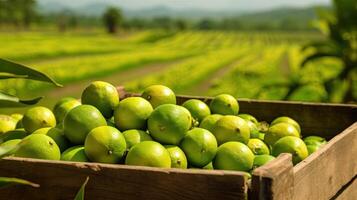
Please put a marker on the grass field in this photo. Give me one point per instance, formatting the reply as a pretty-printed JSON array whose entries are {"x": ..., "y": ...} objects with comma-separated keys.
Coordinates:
[{"x": 196, "y": 63}]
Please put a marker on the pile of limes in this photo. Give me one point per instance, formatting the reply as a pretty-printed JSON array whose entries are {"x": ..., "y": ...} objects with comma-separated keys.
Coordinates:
[{"x": 152, "y": 130}]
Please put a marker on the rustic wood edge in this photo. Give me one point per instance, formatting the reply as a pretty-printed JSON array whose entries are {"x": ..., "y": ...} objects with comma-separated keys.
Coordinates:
[
  {"x": 273, "y": 180},
  {"x": 303, "y": 164},
  {"x": 348, "y": 192},
  {"x": 334, "y": 165},
  {"x": 99, "y": 166}
]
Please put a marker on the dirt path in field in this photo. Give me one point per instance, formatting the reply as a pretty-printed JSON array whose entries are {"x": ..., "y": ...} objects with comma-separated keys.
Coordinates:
[
  {"x": 116, "y": 79},
  {"x": 202, "y": 87}
]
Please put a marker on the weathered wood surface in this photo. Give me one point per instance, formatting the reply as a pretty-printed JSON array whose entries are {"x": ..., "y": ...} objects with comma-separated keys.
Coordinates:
[
  {"x": 61, "y": 180},
  {"x": 325, "y": 172},
  {"x": 274, "y": 180},
  {"x": 349, "y": 192}
]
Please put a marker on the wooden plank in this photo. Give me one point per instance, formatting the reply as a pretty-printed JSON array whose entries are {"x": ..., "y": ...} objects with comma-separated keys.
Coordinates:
[
  {"x": 349, "y": 192},
  {"x": 274, "y": 180},
  {"x": 325, "y": 172},
  {"x": 61, "y": 180}
]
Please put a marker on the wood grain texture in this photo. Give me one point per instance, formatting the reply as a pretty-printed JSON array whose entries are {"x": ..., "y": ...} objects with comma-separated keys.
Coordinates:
[
  {"x": 274, "y": 180},
  {"x": 61, "y": 180},
  {"x": 349, "y": 192},
  {"x": 324, "y": 173}
]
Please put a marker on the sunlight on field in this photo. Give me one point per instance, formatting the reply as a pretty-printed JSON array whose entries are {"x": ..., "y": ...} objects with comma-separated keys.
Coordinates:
[{"x": 243, "y": 64}]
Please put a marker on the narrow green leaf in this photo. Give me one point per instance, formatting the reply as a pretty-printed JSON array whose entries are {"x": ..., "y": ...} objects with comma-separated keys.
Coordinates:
[
  {"x": 8, "y": 76},
  {"x": 22, "y": 70},
  {"x": 10, "y": 101},
  {"x": 6, "y": 182},
  {"x": 7, "y": 151},
  {"x": 319, "y": 55},
  {"x": 80, "y": 194}
]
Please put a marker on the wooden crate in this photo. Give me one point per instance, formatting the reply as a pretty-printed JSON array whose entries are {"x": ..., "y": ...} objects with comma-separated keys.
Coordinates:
[{"x": 328, "y": 173}]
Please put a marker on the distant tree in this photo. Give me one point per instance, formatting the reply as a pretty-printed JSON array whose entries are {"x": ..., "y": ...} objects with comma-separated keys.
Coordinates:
[
  {"x": 163, "y": 22},
  {"x": 112, "y": 19},
  {"x": 206, "y": 24},
  {"x": 18, "y": 12},
  {"x": 181, "y": 24},
  {"x": 29, "y": 13},
  {"x": 230, "y": 24}
]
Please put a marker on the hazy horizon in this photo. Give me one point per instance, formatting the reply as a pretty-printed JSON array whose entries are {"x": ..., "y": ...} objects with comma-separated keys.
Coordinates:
[{"x": 251, "y": 5}]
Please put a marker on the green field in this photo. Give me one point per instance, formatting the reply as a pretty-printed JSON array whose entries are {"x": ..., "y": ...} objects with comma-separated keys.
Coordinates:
[{"x": 243, "y": 64}]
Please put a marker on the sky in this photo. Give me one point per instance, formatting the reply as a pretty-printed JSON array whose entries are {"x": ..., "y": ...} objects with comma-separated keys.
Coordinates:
[{"x": 199, "y": 4}]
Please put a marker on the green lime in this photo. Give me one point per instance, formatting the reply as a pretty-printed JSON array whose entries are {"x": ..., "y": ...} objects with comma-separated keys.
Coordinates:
[
  {"x": 234, "y": 156},
  {"x": 38, "y": 117},
  {"x": 103, "y": 96},
  {"x": 38, "y": 146},
  {"x": 149, "y": 153},
  {"x": 312, "y": 148},
  {"x": 278, "y": 131},
  {"x": 315, "y": 140},
  {"x": 254, "y": 131},
  {"x": 62, "y": 100},
  {"x": 75, "y": 154},
  {"x": 224, "y": 104},
  {"x": 258, "y": 147},
  {"x": 178, "y": 157},
  {"x": 313, "y": 143},
  {"x": 293, "y": 145},
  {"x": 105, "y": 144},
  {"x": 198, "y": 109},
  {"x": 209, "y": 122},
  {"x": 168, "y": 124},
  {"x": 11, "y": 135},
  {"x": 287, "y": 120},
  {"x": 57, "y": 135},
  {"x": 18, "y": 117},
  {"x": 260, "y": 160},
  {"x": 80, "y": 121},
  {"x": 159, "y": 95},
  {"x": 132, "y": 113},
  {"x": 209, "y": 166},
  {"x": 200, "y": 147},
  {"x": 133, "y": 137},
  {"x": 248, "y": 117},
  {"x": 7, "y": 123},
  {"x": 231, "y": 128},
  {"x": 61, "y": 110}
]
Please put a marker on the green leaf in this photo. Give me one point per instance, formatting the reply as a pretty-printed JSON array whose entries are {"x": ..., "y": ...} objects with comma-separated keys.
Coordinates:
[
  {"x": 322, "y": 46},
  {"x": 6, "y": 151},
  {"x": 10, "y": 101},
  {"x": 10, "y": 67},
  {"x": 8, "y": 76},
  {"x": 80, "y": 194},
  {"x": 319, "y": 55},
  {"x": 6, "y": 182}
]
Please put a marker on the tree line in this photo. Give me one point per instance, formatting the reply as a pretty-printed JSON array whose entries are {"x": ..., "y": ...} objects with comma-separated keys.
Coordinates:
[
  {"x": 18, "y": 12},
  {"x": 23, "y": 13}
]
